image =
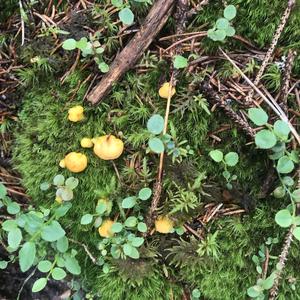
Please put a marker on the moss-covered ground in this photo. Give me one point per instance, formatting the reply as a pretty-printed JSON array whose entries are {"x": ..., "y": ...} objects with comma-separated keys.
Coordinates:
[{"x": 43, "y": 136}]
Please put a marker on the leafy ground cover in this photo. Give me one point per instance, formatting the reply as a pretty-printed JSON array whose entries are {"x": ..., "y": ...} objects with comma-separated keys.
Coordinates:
[{"x": 202, "y": 201}]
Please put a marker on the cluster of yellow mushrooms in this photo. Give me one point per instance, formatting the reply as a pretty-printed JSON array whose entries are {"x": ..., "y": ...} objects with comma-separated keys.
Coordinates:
[{"x": 108, "y": 147}]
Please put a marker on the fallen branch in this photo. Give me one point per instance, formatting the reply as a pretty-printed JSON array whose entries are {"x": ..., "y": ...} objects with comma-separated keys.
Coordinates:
[
  {"x": 270, "y": 51},
  {"x": 153, "y": 23}
]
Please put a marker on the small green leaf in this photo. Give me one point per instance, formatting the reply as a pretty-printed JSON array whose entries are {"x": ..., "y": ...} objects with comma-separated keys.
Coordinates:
[
  {"x": 156, "y": 145},
  {"x": 196, "y": 293},
  {"x": 62, "y": 209},
  {"x": 101, "y": 208},
  {"x": 65, "y": 193},
  {"x": 216, "y": 155},
  {"x": 27, "y": 256},
  {"x": 296, "y": 195},
  {"x": 281, "y": 129},
  {"x": 258, "y": 116},
  {"x": 285, "y": 165},
  {"x": 62, "y": 244},
  {"x": 230, "y": 31},
  {"x": 52, "y": 232},
  {"x": 14, "y": 238},
  {"x": 231, "y": 159},
  {"x": 220, "y": 34},
  {"x": 39, "y": 285},
  {"x": 13, "y": 208},
  {"x": 279, "y": 192},
  {"x": 287, "y": 180},
  {"x": 59, "y": 180},
  {"x": 72, "y": 183},
  {"x": 9, "y": 225},
  {"x": 126, "y": 16},
  {"x": 103, "y": 67},
  {"x": 142, "y": 227},
  {"x": 69, "y": 44},
  {"x": 3, "y": 191},
  {"x": 72, "y": 265},
  {"x": 44, "y": 266},
  {"x": 283, "y": 218},
  {"x": 252, "y": 292},
  {"x": 137, "y": 241},
  {"x": 129, "y": 202},
  {"x": 180, "y": 62},
  {"x": 145, "y": 193},
  {"x": 265, "y": 139},
  {"x": 131, "y": 221},
  {"x": 117, "y": 3},
  {"x": 3, "y": 264},
  {"x": 156, "y": 124},
  {"x": 86, "y": 219},
  {"x": 230, "y": 12},
  {"x": 296, "y": 233},
  {"x": 116, "y": 227},
  {"x": 58, "y": 274},
  {"x": 44, "y": 186},
  {"x": 82, "y": 43},
  {"x": 131, "y": 251},
  {"x": 222, "y": 23}
]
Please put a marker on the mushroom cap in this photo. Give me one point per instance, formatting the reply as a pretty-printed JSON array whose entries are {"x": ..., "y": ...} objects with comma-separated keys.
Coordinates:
[
  {"x": 105, "y": 229},
  {"x": 75, "y": 162}
]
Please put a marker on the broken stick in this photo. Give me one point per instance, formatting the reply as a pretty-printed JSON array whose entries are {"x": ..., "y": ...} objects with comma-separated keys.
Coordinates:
[{"x": 153, "y": 23}]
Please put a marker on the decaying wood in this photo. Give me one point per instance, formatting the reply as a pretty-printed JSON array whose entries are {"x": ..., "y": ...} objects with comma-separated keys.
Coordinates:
[{"x": 153, "y": 23}]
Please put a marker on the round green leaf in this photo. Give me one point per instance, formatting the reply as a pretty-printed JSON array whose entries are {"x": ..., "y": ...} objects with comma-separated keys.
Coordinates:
[
  {"x": 131, "y": 251},
  {"x": 220, "y": 34},
  {"x": 131, "y": 221},
  {"x": 296, "y": 233},
  {"x": 44, "y": 186},
  {"x": 82, "y": 43},
  {"x": 72, "y": 265},
  {"x": 14, "y": 238},
  {"x": 230, "y": 31},
  {"x": 180, "y": 62},
  {"x": 252, "y": 292},
  {"x": 285, "y": 165},
  {"x": 281, "y": 129},
  {"x": 296, "y": 195},
  {"x": 196, "y": 293},
  {"x": 117, "y": 3},
  {"x": 86, "y": 219},
  {"x": 145, "y": 193},
  {"x": 126, "y": 16},
  {"x": 72, "y": 183},
  {"x": 142, "y": 227},
  {"x": 69, "y": 44},
  {"x": 116, "y": 227},
  {"x": 101, "y": 208},
  {"x": 231, "y": 159},
  {"x": 222, "y": 23},
  {"x": 279, "y": 192},
  {"x": 156, "y": 145},
  {"x": 59, "y": 180},
  {"x": 258, "y": 116},
  {"x": 65, "y": 193},
  {"x": 265, "y": 139},
  {"x": 3, "y": 264},
  {"x": 103, "y": 67},
  {"x": 39, "y": 285},
  {"x": 44, "y": 266},
  {"x": 287, "y": 180},
  {"x": 137, "y": 241},
  {"x": 13, "y": 208},
  {"x": 155, "y": 124},
  {"x": 129, "y": 202},
  {"x": 58, "y": 274},
  {"x": 216, "y": 155},
  {"x": 283, "y": 218},
  {"x": 230, "y": 12}
]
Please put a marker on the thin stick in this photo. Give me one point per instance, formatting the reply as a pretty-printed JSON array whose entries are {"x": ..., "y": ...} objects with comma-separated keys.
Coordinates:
[
  {"x": 270, "y": 51},
  {"x": 93, "y": 259},
  {"x": 271, "y": 102}
]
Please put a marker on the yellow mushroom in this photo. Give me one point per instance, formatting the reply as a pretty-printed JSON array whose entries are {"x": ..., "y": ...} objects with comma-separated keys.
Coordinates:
[
  {"x": 74, "y": 161},
  {"x": 86, "y": 143},
  {"x": 75, "y": 113},
  {"x": 105, "y": 228},
  {"x": 108, "y": 147},
  {"x": 163, "y": 224},
  {"x": 164, "y": 90}
]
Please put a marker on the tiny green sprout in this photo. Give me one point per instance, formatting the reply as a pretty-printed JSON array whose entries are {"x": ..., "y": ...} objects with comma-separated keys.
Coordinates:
[
  {"x": 180, "y": 62},
  {"x": 223, "y": 27},
  {"x": 229, "y": 160}
]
